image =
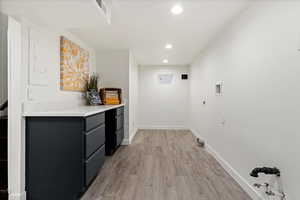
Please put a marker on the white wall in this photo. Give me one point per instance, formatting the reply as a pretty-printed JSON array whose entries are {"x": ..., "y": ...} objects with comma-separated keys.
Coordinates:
[
  {"x": 258, "y": 59},
  {"x": 42, "y": 82},
  {"x": 133, "y": 96},
  {"x": 162, "y": 105},
  {"x": 113, "y": 68}
]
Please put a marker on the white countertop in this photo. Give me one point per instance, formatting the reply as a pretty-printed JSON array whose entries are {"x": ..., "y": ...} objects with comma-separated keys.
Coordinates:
[{"x": 81, "y": 111}]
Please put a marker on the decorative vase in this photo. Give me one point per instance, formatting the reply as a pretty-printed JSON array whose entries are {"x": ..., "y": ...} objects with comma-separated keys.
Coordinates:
[{"x": 93, "y": 97}]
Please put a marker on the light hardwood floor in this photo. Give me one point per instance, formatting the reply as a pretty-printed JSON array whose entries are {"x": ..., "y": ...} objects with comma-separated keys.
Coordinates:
[{"x": 163, "y": 165}]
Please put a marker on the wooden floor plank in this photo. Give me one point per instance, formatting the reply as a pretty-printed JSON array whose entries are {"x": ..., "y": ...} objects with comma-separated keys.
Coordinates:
[{"x": 163, "y": 165}]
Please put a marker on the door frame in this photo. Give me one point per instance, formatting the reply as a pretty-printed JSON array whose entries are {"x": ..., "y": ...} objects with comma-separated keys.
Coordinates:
[{"x": 16, "y": 123}]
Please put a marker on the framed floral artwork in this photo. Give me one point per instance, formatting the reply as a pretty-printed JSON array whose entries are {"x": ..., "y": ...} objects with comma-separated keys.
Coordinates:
[{"x": 74, "y": 66}]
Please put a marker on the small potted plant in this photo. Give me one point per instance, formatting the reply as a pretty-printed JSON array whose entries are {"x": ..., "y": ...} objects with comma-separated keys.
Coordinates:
[{"x": 92, "y": 93}]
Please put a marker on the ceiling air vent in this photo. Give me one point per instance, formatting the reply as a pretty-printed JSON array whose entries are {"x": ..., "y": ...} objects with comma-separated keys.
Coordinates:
[{"x": 104, "y": 8}]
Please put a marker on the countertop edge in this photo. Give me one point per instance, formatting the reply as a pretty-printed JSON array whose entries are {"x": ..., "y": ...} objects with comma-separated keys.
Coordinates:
[{"x": 76, "y": 112}]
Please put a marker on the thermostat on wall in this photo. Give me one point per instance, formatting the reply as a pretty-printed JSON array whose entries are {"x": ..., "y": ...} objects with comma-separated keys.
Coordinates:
[{"x": 184, "y": 76}]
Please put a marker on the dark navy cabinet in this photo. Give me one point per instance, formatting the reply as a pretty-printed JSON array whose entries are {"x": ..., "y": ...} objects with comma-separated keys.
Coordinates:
[
  {"x": 114, "y": 129},
  {"x": 65, "y": 154}
]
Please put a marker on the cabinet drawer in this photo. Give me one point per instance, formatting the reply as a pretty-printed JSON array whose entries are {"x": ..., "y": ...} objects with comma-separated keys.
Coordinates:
[
  {"x": 120, "y": 111},
  {"x": 119, "y": 122},
  {"x": 94, "y": 164},
  {"x": 94, "y": 121},
  {"x": 94, "y": 139},
  {"x": 120, "y": 136}
]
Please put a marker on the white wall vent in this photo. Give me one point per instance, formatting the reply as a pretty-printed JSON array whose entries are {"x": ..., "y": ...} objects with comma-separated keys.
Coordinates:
[
  {"x": 104, "y": 9},
  {"x": 165, "y": 78}
]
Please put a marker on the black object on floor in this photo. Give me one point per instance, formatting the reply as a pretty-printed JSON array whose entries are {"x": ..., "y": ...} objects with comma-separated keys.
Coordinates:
[{"x": 265, "y": 170}]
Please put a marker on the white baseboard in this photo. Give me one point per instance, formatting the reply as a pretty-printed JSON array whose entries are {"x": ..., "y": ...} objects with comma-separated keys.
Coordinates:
[
  {"x": 18, "y": 196},
  {"x": 133, "y": 134},
  {"x": 127, "y": 141},
  {"x": 159, "y": 127},
  {"x": 255, "y": 195}
]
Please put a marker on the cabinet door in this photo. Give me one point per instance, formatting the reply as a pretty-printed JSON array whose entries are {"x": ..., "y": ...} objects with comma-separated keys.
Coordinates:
[
  {"x": 120, "y": 136},
  {"x": 54, "y": 158},
  {"x": 120, "y": 111},
  {"x": 119, "y": 122}
]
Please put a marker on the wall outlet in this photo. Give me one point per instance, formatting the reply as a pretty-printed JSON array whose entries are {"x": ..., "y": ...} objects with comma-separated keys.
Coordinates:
[
  {"x": 223, "y": 122},
  {"x": 219, "y": 88}
]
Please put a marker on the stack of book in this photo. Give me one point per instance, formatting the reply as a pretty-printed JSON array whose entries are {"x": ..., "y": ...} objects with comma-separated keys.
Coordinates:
[{"x": 111, "y": 96}]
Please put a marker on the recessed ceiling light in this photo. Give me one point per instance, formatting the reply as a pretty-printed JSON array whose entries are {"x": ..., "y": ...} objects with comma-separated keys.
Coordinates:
[
  {"x": 169, "y": 46},
  {"x": 165, "y": 61},
  {"x": 177, "y": 9}
]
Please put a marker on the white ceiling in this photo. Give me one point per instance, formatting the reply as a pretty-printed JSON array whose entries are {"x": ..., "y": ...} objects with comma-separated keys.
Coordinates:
[{"x": 143, "y": 26}]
